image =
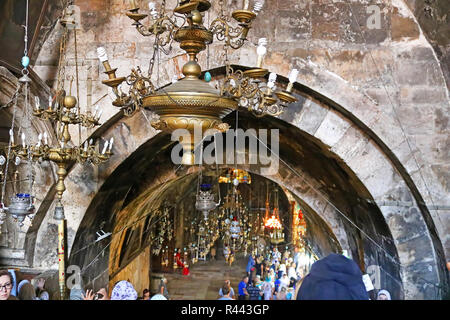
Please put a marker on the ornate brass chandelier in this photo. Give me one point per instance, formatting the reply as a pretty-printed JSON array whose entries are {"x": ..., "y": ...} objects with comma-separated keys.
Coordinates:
[
  {"x": 63, "y": 111},
  {"x": 191, "y": 102}
]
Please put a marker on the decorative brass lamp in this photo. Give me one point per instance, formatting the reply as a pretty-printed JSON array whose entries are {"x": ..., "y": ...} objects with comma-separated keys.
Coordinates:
[
  {"x": 274, "y": 225},
  {"x": 63, "y": 111},
  {"x": 192, "y": 102}
]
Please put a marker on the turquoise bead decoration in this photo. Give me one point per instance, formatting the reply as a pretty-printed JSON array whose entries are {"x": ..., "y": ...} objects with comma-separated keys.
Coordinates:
[
  {"x": 25, "y": 61},
  {"x": 207, "y": 76}
]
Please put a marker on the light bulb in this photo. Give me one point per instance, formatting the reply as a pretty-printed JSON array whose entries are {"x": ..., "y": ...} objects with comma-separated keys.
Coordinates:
[
  {"x": 102, "y": 56},
  {"x": 39, "y": 140},
  {"x": 293, "y": 75},
  {"x": 257, "y": 7},
  {"x": 292, "y": 78},
  {"x": 151, "y": 5},
  {"x": 261, "y": 51},
  {"x": 272, "y": 79}
]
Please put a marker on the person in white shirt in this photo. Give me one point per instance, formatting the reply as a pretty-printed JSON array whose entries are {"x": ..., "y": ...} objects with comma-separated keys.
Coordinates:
[{"x": 291, "y": 271}]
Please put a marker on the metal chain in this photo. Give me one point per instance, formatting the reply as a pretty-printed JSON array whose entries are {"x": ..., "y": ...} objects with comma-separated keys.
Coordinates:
[
  {"x": 78, "y": 83},
  {"x": 62, "y": 60},
  {"x": 25, "y": 51},
  {"x": 13, "y": 97},
  {"x": 27, "y": 129},
  {"x": 9, "y": 148}
]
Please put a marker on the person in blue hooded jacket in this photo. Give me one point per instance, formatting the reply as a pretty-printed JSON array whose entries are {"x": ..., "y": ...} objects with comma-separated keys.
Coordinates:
[{"x": 334, "y": 277}]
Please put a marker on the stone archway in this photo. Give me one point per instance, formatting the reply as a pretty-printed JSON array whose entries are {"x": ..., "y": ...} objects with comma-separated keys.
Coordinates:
[{"x": 392, "y": 220}]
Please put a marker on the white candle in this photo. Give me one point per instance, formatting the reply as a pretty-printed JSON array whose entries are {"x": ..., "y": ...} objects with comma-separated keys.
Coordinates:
[
  {"x": 104, "y": 147},
  {"x": 11, "y": 136},
  {"x": 45, "y": 138},
  {"x": 99, "y": 115},
  {"x": 50, "y": 101},
  {"x": 23, "y": 139},
  {"x": 37, "y": 103},
  {"x": 85, "y": 146},
  {"x": 95, "y": 112},
  {"x": 246, "y": 4},
  {"x": 111, "y": 143},
  {"x": 91, "y": 142},
  {"x": 39, "y": 140}
]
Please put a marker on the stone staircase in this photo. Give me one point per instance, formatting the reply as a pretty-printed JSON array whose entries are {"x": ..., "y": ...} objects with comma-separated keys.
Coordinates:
[{"x": 205, "y": 280}]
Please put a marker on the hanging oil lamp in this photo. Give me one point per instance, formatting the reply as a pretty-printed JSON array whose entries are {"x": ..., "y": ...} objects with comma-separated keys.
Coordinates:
[{"x": 205, "y": 200}]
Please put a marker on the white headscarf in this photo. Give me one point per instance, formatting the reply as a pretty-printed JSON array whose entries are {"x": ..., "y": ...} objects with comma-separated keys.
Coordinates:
[{"x": 386, "y": 293}]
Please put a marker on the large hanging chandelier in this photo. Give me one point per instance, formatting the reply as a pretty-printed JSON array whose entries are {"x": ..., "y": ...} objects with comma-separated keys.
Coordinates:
[
  {"x": 191, "y": 102},
  {"x": 63, "y": 111}
]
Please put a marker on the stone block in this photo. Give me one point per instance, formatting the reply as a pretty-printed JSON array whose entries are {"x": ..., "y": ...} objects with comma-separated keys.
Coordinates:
[
  {"x": 326, "y": 20},
  {"x": 311, "y": 117},
  {"x": 350, "y": 144},
  {"x": 441, "y": 121},
  {"x": 369, "y": 160},
  {"x": 403, "y": 27},
  {"x": 332, "y": 128}
]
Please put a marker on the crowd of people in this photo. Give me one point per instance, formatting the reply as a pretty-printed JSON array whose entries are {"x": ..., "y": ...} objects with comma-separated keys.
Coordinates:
[
  {"x": 280, "y": 277},
  {"x": 13, "y": 286},
  {"x": 270, "y": 277}
]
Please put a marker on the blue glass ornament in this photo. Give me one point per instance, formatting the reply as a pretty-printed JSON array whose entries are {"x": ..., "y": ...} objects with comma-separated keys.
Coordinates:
[
  {"x": 25, "y": 61},
  {"x": 207, "y": 76}
]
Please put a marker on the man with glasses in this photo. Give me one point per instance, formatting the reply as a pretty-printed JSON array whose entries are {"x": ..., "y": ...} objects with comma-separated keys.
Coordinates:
[{"x": 6, "y": 283}]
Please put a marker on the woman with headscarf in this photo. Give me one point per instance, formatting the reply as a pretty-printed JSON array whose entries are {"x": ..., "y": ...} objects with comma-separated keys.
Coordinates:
[
  {"x": 281, "y": 270},
  {"x": 334, "y": 277},
  {"x": 284, "y": 281},
  {"x": 123, "y": 290},
  {"x": 267, "y": 289},
  {"x": 383, "y": 295},
  {"x": 291, "y": 271}
]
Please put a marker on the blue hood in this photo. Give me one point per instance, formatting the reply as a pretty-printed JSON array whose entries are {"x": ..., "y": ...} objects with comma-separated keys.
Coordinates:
[{"x": 333, "y": 278}]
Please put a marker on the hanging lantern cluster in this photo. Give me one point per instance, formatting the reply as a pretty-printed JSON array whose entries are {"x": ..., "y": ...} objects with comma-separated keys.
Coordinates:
[
  {"x": 165, "y": 232},
  {"x": 235, "y": 176},
  {"x": 165, "y": 257}
]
